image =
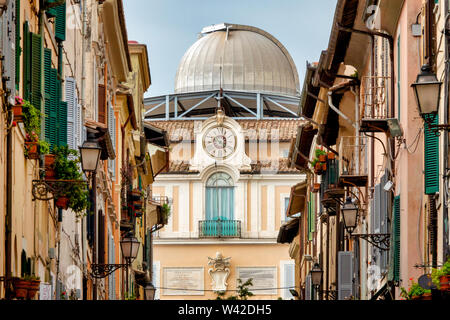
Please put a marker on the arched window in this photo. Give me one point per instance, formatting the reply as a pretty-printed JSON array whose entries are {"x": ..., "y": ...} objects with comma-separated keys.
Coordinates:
[{"x": 220, "y": 197}]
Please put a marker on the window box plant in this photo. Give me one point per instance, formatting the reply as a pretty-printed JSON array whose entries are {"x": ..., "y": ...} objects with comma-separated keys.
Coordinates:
[
  {"x": 49, "y": 163},
  {"x": 441, "y": 277},
  {"x": 20, "y": 286},
  {"x": 320, "y": 162},
  {"x": 32, "y": 124},
  {"x": 331, "y": 156},
  {"x": 415, "y": 292}
]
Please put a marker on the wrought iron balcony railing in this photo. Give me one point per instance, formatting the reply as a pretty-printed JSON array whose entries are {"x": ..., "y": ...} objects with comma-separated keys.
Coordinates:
[{"x": 220, "y": 229}]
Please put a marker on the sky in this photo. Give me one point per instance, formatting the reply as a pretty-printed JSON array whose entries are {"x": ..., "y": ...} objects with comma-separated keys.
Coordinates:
[{"x": 170, "y": 27}]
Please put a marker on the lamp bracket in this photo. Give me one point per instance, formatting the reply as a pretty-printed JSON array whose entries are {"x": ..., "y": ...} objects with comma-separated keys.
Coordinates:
[
  {"x": 437, "y": 128},
  {"x": 100, "y": 271},
  {"x": 379, "y": 240},
  {"x": 46, "y": 190}
]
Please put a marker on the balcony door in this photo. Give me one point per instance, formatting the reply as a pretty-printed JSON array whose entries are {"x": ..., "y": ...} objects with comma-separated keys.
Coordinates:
[
  {"x": 220, "y": 197},
  {"x": 219, "y": 206}
]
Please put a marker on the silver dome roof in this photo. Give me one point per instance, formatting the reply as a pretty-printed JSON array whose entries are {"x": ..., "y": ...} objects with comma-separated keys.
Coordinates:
[{"x": 251, "y": 60}]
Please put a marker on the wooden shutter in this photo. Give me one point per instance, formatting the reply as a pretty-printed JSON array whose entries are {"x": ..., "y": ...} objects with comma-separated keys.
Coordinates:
[
  {"x": 101, "y": 237},
  {"x": 36, "y": 70},
  {"x": 394, "y": 263},
  {"x": 60, "y": 22},
  {"x": 356, "y": 268},
  {"x": 51, "y": 100},
  {"x": 112, "y": 133},
  {"x": 101, "y": 103},
  {"x": 431, "y": 160},
  {"x": 72, "y": 117},
  {"x": 26, "y": 62},
  {"x": 62, "y": 123},
  {"x": 345, "y": 274},
  {"x": 18, "y": 48}
]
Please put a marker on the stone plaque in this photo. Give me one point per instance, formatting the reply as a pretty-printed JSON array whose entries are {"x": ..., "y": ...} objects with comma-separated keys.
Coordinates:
[
  {"x": 45, "y": 291},
  {"x": 190, "y": 280},
  {"x": 263, "y": 278}
]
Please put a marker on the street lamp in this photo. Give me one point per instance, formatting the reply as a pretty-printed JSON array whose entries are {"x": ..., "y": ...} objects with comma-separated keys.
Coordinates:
[
  {"x": 350, "y": 215},
  {"x": 427, "y": 90},
  {"x": 130, "y": 248},
  {"x": 149, "y": 291},
  {"x": 316, "y": 275},
  {"x": 90, "y": 155}
]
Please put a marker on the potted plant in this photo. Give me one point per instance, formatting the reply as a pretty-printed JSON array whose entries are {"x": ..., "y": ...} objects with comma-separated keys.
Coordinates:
[
  {"x": 441, "y": 276},
  {"x": 17, "y": 109},
  {"x": 32, "y": 124},
  {"x": 66, "y": 168},
  {"x": 165, "y": 214},
  {"x": 31, "y": 146},
  {"x": 415, "y": 292},
  {"x": 331, "y": 156},
  {"x": 321, "y": 155},
  {"x": 33, "y": 286},
  {"x": 20, "y": 286}
]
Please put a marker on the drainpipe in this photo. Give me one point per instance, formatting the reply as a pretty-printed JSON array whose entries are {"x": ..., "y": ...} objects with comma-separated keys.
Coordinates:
[{"x": 339, "y": 112}]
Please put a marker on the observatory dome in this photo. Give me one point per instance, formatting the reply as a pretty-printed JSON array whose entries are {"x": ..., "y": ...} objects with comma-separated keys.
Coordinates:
[{"x": 238, "y": 58}]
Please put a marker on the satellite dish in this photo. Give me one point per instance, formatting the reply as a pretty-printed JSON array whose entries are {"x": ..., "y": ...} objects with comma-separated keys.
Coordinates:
[{"x": 426, "y": 283}]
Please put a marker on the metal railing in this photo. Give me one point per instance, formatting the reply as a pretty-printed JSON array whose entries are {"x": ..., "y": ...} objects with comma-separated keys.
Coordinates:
[
  {"x": 374, "y": 91},
  {"x": 220, "y": 229}
]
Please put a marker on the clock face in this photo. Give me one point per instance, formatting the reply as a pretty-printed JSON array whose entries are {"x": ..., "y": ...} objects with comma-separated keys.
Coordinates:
[{"x": 219, "y": 142}]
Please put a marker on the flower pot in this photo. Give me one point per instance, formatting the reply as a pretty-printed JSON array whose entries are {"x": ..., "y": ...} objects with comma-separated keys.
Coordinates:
[
  {"x": 316, "y": 187},
  {"x": 63, "y": 203},
  {"x": 324, "y": 166},
  {"x": 32, "y": 150},
  {"x": 33, "y": 288},
  {"x": 20, "y": 288},
  {"x": 323, "y": 158},
  {"x": 17, "y": 111},
  {"x": 444, "y": 282},
  {"x": 426, "y": 296},
  {"x": 49, "y": 163},
  {"x": 331, "y": 156}
]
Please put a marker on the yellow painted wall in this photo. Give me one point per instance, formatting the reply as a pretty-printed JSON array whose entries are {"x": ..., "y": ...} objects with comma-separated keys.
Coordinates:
[{"x": 241, "y": 256}]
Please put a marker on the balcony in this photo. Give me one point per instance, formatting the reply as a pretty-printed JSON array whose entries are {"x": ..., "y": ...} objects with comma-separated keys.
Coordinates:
[
  {"x": 374, "y": 96},
  {"x": 220, "y": 229},
  {"x": 353, "y": 168},
  {"x": 330, "y": 190}
]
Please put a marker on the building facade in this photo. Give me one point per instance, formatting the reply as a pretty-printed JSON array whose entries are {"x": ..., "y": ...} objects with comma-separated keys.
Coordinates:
[
  {"x": 385, "y": 159},
  {"x": 228, "y": 183}
]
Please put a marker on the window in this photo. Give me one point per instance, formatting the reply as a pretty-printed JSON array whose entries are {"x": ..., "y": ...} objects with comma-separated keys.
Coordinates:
[
  {"x": 285, "y": 213},
  {"x": 220, "y": 197}
]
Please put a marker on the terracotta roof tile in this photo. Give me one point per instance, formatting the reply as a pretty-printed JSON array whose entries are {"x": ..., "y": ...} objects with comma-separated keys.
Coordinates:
[{"x": 284, "y": 130}]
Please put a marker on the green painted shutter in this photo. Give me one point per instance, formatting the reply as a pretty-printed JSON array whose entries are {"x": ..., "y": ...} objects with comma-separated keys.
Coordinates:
[
  {"x": 18, "y": 48},
  {"x": 36, "y": 70},
  {"x": 394, "y": 265},
  {"x": 62, "y": 123},
  {"x": 26, "y": 62},
  {"x": 51, "y": 101},
  {"x": 60, "y": 22},
  {"x": 431, "y": 160}
]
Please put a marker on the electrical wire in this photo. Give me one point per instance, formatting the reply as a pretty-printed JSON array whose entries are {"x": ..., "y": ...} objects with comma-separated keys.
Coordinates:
[{"x": 415, "y": 141}]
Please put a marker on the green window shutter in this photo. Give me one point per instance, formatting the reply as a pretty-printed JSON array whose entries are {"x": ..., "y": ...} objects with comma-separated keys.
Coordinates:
[
  {"x": 394, "y": 265},
  {"x": 60, "y": 22},
  {"x": 431, "y": 160},
  {"x": 18, "y": 48},
  {"x": 51, "y": 100},
  {"x": 26, "y": 62},
  {"x": 62, "y": 123},
  {"x": 36, "y": 70},
  {"x": 313, "y": 213}
]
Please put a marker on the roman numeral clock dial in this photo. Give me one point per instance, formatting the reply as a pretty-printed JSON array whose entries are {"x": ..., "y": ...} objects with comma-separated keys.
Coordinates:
[{"x": 219, "y": 142}]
